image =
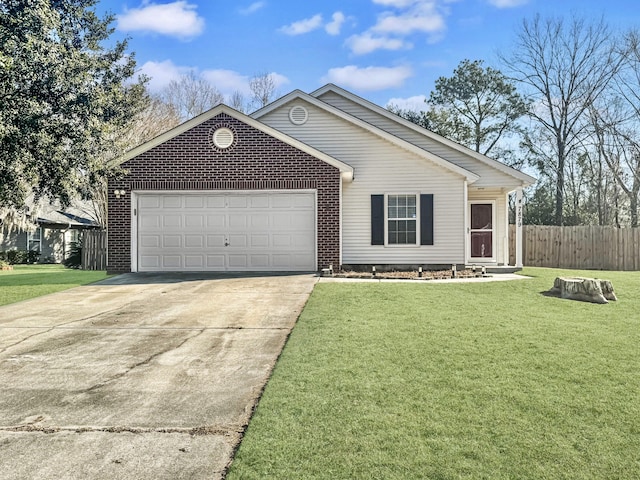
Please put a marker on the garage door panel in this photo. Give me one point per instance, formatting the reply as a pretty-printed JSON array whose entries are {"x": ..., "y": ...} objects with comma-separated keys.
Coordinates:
[
  {"x": 149, "y": 202},
  {"x": 281, "y": 201},
  {"x": 238, "y": 221},
  {"x": 226, "y": 232},
  {"x": 259, "y": 221},
  {"x": 281, "y": 240},
  {"x": 194, "y": 241},
  {"x": 150, "y": 241},
  {"x": 214, "y": 241},
  {"x": 194, "y": 261},
  {"x": 216, "y": 220},
  {"x": 215, "y": 262},
  {"x": 172, "y": 241},
  {"x": 260, "y": 241},
  {"x": 171, "y": 201},
  {"x": 237, "y": 260},
  {"x": 194, "y": 201},
  {"x": 259, "y": 201},
  {"x": 238, "y": 241},
  {"x": 216, "y": 201},
  {"x": 171, "y": 261},
  {"x": 237, "y": 201},
  {"x": 172, "y": 221},
  {"x": 150, "y": 261},
  {"x": 194, "y": 221},
  {"x": 150, "y": 221},
  {"x": 259, "y": 261}
]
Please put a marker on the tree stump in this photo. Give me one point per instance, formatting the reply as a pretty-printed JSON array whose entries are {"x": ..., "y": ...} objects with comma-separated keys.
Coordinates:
[{"x": 592, "y": 290}]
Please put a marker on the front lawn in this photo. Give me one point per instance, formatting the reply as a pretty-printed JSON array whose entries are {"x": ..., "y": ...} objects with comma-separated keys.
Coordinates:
[
  {"x": 29, "y": 281},
  {"x": 450, "y": 381}
]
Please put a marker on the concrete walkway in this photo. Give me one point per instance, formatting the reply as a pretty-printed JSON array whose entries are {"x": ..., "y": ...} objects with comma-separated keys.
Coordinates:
[{"x": 141, "y": 376}]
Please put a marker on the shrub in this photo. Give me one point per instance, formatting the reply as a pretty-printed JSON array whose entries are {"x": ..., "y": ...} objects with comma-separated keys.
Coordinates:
[
  {"x": 16, "y": 257},
  {"x": 74, "y": 259}
]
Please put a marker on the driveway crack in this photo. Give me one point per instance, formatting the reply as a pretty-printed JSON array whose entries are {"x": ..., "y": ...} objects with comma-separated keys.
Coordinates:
[
  {"x": 141, "y": 363},
  {"x": 202, "y": 430},
  {"x": 58, "y": 326}
]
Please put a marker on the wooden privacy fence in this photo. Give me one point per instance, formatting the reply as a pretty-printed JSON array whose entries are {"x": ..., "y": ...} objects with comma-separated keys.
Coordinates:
[
  {"x": 583, "y": 247},
  {"x": 94, "y": 250}
]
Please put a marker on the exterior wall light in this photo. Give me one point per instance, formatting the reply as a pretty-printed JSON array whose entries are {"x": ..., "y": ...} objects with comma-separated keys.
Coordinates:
[{"x": 119, "y": 193}]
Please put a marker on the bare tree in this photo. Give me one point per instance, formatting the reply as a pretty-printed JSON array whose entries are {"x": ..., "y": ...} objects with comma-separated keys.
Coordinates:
[
  {"x": 236, "y": 100},
  {"x": 263, "y": 89},
  {"x": 564, "y": 67},
  {"x": 191, "y": 95}
]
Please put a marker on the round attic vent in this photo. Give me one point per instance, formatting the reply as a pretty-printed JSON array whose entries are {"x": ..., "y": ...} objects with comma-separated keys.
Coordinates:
[
  {"x": 298, "y": 115},
  {"x": 223, "y": 138}
]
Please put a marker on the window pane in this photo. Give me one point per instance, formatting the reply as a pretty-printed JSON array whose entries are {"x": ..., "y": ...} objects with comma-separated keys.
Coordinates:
[
  {"x": 402, "y": 232},
  {"x": 481, "y": 216},
  {"x": 411, "y": 200},
  {"x": 393, "y": 199}
]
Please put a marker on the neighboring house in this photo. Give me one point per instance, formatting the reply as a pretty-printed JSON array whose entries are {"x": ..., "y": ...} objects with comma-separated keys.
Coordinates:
[
  {"x": 308, "y": 181},
  {"x": 55, "y": 231}
]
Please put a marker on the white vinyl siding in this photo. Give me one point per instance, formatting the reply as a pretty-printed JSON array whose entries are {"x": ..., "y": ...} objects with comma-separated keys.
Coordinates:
[
  {"x": 381, "y": 167},
  {"x": 489, "y": 176}
]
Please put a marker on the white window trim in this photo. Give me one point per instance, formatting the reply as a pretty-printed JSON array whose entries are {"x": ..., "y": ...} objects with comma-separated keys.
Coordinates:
[
  {"x": 494, "y": 248},
  {"x": 32, "y": 238},
  {"x": 386, "y": 221}
]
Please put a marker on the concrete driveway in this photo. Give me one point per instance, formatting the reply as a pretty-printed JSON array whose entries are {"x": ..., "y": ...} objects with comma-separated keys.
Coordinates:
[{"x": 140, "y": 376}]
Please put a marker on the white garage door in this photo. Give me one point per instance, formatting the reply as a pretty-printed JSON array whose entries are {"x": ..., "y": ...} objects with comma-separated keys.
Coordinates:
[{"x": 226, "y": 232}]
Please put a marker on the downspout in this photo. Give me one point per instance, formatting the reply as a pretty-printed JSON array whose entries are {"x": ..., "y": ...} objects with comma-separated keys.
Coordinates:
[{"x": 465, "y": 227}]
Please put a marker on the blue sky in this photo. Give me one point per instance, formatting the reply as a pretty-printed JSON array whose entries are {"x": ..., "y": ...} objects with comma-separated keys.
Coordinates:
[{"x": 383, "y": 50}]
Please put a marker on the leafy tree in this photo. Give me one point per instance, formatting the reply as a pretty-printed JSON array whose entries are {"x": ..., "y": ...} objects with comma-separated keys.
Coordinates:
[
  {"x": 63, "y": 98},
  {"x": 476, "y": 107}
]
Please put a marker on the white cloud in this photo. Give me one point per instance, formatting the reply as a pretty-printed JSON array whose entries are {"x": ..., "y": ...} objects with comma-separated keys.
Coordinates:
[
  {"x": 395, "y": 3},
  {"x": 367, "y": 43},
  {"x": 177, "y": 19},
  {"x": 253, "y": 8},
  {"x": 368, "y": 78},
  {"x": 415, "y": 103},
  {"x": 507, "y": 3},
  {"x": 333, "y": 27},
  {"x": 423, "y": 17},
  {"x": 303, "y": 26},
  {"x": 227, "y": 81},
  {"x": 161, "y": 73}
]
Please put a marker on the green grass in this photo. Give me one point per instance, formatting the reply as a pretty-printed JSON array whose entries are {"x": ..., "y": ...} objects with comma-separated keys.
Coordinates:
[
  {"x": 29, "y": 281},
  {"x": 453, "y": 381}
]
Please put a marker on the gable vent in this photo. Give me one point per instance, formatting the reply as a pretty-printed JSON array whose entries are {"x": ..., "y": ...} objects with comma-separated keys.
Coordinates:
[
  {"x": 298, "y": 115},
  {"x": 223, "y": 138}
]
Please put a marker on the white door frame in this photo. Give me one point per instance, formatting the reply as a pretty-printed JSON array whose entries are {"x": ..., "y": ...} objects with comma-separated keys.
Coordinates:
[{"x": 494, "y": 250}]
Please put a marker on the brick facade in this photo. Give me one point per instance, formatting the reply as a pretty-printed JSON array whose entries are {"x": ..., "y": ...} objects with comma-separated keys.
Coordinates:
[{"x": 256, "y": 161}]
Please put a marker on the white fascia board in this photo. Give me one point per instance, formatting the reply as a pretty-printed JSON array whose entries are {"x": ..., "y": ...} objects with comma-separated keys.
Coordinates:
[
  {"x": 470, "y": 176},
  {"x": 345, "y": 170},
  {"x": 525, "y": 179}
]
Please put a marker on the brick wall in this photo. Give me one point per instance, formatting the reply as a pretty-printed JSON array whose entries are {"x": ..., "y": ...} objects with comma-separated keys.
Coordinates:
[{"x": 256, "y": 161}]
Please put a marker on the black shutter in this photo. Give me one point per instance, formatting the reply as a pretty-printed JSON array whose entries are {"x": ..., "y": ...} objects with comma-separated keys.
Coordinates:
[
  {"x": 426, "y": 219},
  {"x": 377, "y": 219}
]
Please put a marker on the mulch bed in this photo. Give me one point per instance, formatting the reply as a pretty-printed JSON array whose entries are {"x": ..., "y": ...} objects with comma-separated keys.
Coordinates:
[{"x": 407, "y": 275}]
